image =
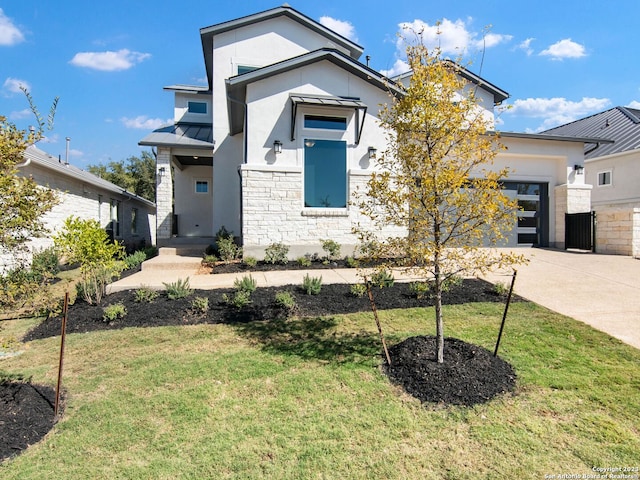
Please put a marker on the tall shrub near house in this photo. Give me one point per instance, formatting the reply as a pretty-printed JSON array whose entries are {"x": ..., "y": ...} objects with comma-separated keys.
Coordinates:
[
  {"x": 23, "y": 204},
  {"x": 85, "y": 242},
  {"x": 434, "y": 182}
]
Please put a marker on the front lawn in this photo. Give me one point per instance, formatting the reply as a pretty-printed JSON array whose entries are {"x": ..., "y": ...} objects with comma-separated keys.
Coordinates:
[{"x": 306, "y": 399}]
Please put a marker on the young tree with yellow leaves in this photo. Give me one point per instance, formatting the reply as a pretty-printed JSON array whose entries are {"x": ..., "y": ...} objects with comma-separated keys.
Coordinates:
[{"x": 434, "y": 182}]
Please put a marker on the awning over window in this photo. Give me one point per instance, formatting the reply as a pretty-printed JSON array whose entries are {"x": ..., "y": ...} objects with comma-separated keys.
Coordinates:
[{"x": 328, "y": 101}]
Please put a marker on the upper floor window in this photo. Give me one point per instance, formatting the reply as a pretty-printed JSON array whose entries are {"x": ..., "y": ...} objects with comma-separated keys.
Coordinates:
[
  {"x": 326, "y": 123},
  {"x": 245, "y": 69},
  {"x": 197, "y": 107},
  {"x": 604, "y": 178}
]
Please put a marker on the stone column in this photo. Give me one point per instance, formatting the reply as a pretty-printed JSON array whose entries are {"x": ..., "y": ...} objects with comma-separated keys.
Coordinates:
[{"x": 164, "y": 196}]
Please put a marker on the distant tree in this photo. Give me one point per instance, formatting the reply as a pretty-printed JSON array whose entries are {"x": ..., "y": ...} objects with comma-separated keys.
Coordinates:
[
  {"x": 135, "y": 174},
  {"x": 434, "y": 182}
]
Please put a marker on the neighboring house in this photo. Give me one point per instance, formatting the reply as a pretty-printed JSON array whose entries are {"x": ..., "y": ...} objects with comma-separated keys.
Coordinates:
[
  {"x": 128, "y": 217},
  {"x": 286, "y": 130},
  {"x": 614, "y": 171}
]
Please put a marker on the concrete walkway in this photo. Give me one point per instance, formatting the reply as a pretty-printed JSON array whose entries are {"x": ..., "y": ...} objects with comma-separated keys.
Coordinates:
[{"x": 600, "y": 290}]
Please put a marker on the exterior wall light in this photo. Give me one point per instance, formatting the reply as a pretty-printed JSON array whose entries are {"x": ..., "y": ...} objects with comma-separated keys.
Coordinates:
[
  {"x": 161, "y": 171},
  {"x": 277, "y": 147},
  {"x": 579, "y": 169},
  {"x": 372, "y": 153}
]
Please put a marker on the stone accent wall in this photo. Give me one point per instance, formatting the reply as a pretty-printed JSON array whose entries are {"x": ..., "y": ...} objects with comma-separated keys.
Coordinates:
[
  {"x": 164, "y": 196},
  {"x": 273, "y": 212},
  {"x": 618, "y": 230}
]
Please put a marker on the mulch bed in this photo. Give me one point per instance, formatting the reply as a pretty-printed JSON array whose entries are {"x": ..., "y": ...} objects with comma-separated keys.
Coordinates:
[{"x": 469, "y": 375}]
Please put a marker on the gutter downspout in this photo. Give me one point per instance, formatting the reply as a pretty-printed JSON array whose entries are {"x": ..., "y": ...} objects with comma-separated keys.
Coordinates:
[{"x": 592, "y": 149}]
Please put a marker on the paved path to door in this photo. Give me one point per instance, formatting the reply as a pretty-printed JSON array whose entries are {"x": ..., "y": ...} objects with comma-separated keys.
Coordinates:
[{"x": 600, "y": 290}]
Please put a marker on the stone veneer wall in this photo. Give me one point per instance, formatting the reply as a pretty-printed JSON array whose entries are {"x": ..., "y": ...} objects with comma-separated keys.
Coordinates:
[
  {"x": 618, "y": 230},
  {"x": 164, "y": 196},
  {"x": 272, "y": 212}
]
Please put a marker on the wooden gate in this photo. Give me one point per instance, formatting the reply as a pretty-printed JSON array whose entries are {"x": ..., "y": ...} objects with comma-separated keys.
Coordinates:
[{"x": 580, "y": 231}]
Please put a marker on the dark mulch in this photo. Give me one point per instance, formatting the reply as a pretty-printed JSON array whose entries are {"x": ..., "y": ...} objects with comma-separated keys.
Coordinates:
[
  {"x": 26, "y": 415},
  {"x": 469, "y": 375}
]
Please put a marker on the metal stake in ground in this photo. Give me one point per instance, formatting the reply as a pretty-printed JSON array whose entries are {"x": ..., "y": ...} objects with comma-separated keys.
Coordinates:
[
  {"x": 65, "y": 310},
  {"x": 506, "y": 309},
  {"x": 375, "y": 315}
]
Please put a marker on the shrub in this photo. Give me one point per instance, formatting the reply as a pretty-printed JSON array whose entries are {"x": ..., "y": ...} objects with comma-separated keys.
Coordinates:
[
  {"x": 200, "y": 305},
  {"x": 420, "y": 289},
  {"x": 227, "y": 249},
  {"x": 45, "y": 263},
  {"x": 114, "y": 312},
  {"x": 92, "y": 285},
  {"x": 276, "y": 253},
  {"x": 150, "y": 252},
  {"x": 145, "y": 294},
  {"x": 239, "y": 299},
  {"x": 383, "y": 279},
  {"x": 332, "y": 248},
  {"x": 304, "y": 261},
  {"x": 223, "y": 233},
  {"x": 312, "y": 285},
  {"x": 246, "y": 284},
  {"x": 209, "y": 260},
  {"x": 135, "y": 259},
  {"x": 358, "y": 290},
  {"x": 250, "y": 261},
  {"x": 452, "y": 282},
  {"x": 285, "y": 301},
  {"x": 178, "y": 289},
  {"x": 501, "y": 288},
  {"x": 351, "y": 262}
]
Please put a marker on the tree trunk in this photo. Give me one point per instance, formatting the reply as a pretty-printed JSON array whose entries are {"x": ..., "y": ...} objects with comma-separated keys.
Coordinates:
[{"x": 439, "y": 322}]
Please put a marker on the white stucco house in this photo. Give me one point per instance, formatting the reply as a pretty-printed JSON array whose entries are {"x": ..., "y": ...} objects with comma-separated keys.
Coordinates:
[
  {"x": 276, "y": 143},
  {"x": 614, "y": 171},
  {"x": 82, "y": 194}
]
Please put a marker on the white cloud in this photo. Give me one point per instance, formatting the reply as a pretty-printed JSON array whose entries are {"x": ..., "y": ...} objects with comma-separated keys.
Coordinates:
[
  {"x": 556, "y": 111},
  {"x": 565, "y": 48},
  {"x": 9, "y": 33},
  {"x": 143, "y": 122},
  {"x": 450, "y": 36},
  {"x": 341, "y": 27},
  {"x": 634, "y": 104},
  {"x": 109, "y": 61},
  {"x": 526, "y": 46},
  {"x": 20, "y": 115},
  {"x": 12, "y": 85},
  {"x": 399, "y": 67}
]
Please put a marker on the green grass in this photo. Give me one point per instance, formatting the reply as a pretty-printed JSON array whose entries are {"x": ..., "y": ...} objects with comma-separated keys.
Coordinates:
[{"x": 305, "y": 399}]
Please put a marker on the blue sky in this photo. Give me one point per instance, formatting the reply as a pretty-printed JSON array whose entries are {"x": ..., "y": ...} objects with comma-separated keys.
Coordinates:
[{"x": 108, "y": 61}]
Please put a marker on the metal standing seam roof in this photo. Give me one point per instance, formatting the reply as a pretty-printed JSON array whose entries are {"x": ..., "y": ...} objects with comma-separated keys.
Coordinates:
[
  {"x": 45, "y": 160},
  {"x": 620, "y": 125},
  {"x": 187, "y": 135}
]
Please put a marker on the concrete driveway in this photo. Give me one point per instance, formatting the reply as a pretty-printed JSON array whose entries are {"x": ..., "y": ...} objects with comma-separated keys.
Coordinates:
[{"x": 600, "y": 290}]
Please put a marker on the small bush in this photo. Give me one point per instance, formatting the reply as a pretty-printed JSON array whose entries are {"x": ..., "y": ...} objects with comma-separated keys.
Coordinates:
[
  {"x": 383, "y": 279},
  {"x": 45, "y": 263},
  {"x": 250, "y": 261},
  {"x": 113, "y": 312},
  {"x": 331, "y": 248},
  {"x": 285, "y": 301},
  {"x": 276, "y": 253},
  {"x": 358, "y": 290},
  {"x": 178, "y": 289},
  {"x": 150, "y": 252},
  {"x": 239, "y": 299},
  {"x": 223, "y": 233},
  {"x": 227, "y": 249},
  {"x": 209, "y": 260},
  {"x": 452, "y": 282},
  {"x": 304, "y": 261},
  {"x": 246, "y": 284},
  {"x": 135, "y": 259},
  {"x": 420, "y": 289},
  {"x": 312, "y": 285},
  {"x": 145, "y": 295},
  {"x": 501, "y": 288},
  {"x": 200, "y": 305},
  {"x": 351, "y": 262}
]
